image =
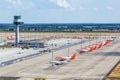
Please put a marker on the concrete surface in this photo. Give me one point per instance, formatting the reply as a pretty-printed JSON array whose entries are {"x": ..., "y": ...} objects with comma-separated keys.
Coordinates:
[{"x": 88, "y": 66}]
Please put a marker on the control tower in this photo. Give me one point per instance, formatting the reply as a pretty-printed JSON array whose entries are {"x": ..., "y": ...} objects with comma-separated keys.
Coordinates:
[{"x": 18, "y": 22}]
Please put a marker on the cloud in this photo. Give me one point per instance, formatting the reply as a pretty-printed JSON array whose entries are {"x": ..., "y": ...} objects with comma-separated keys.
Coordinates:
[
  {"x": 16, "y": 3},
  {"x": 109, "y": 8},
  {"x": 96, "y": 9},
  {"x": 62, "y": 3}
]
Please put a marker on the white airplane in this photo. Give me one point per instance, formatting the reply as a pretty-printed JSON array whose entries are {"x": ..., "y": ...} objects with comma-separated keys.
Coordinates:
[
  {"x": 58, "y": 62},
  {"x": 10, "y": 38},
  {"x": 61, "y": 60},
  {"x": 3, "y": 43},
  {"x": 107, "y": 42},
  {"x": 99, "y": 44},
  {"x": 86, "y": 49}
]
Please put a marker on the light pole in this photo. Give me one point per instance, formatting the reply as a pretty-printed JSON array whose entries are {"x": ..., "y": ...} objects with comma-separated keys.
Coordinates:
[
  {"x": 89, "y": 40},
  {"x": 81, "y": 43},
  {"x": 68, "y": 48},
  {"x": 52, "y": 55},
  {"x": 18, "y": 22},
  {"x": 96, "y": 38},
  {"x": 100, "y": 37},
  {"x": 105, "y": 37}
]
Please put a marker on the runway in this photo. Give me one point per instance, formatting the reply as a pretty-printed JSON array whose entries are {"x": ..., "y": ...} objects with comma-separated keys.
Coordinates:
[{"x": 88, "y": 66}]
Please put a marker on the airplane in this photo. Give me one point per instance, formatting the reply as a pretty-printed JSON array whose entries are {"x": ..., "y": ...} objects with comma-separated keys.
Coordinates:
[
  {"x": 94, "y": 47},
  {"x": 83, "y": 50},
  {"x": 61, "y": 60},
  {"x": 107, "y": 42},
  {"x": 90, "y": 48},
  {"x": 103, "y": 42},
  {"x": 86, "y": 49},
  {"x": 58, "y": 62},
  {"x": 10, "y": 38},
  {"x": 99, "y": 45},
  {"x": 3, "y": 43}
]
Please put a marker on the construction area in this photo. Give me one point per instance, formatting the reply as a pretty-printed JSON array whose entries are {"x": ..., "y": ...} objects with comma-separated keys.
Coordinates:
[{"x": 115, "y": 73}]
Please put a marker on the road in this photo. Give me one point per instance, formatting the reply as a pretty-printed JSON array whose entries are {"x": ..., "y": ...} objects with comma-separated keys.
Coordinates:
[{"x": 88, "y": 66}]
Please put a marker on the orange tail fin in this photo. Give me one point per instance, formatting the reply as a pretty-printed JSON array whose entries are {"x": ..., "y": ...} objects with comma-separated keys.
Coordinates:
[
  {"x": 100, "y": 45},
  {"x": 91, "y": 49},
  {"x": 73, "y": 56},
  {"x": 94, "y": 47},
  {"x": 106, "y": 42}
]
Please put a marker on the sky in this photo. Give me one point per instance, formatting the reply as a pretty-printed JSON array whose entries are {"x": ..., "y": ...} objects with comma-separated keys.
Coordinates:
[{"x": 61, "y": 11}]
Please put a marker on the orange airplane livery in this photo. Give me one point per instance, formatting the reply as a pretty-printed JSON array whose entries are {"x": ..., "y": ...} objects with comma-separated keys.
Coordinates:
[{"x": 61, "y": 60}]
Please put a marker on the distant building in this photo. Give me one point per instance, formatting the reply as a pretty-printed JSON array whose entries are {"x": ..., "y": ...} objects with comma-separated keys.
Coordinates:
[{"x": 33, "y": 44}]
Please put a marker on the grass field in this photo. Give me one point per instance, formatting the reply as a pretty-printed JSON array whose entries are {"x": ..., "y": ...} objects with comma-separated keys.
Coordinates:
[{"x": 60, "y": 34}]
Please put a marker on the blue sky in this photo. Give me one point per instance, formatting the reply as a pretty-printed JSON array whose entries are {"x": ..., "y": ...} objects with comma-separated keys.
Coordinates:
[{"x": 61, "y": 11}]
